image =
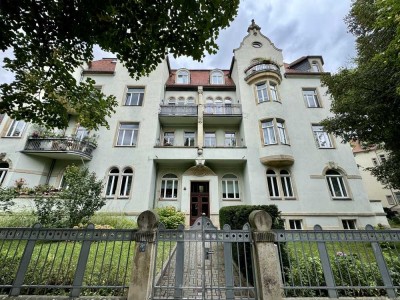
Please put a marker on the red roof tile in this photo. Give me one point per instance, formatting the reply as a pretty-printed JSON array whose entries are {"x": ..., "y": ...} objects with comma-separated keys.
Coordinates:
[
  {"x": 105, "y": 65},
  {"x": 200, "y": 78}
]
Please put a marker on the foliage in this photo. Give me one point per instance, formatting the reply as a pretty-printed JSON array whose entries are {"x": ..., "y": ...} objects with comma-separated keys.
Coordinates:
[
  {"x": 238, "y": 215},
  {"x": 6, "y": 196},
  {"x": 18, "y": 219},
  {"x": 73, "y": 205},
  {"x": 170, "y": 217},
  {"x": 51, "y": 39},
  {"x": 118, "y": 222},
  {"x": 366, "y": 99}
]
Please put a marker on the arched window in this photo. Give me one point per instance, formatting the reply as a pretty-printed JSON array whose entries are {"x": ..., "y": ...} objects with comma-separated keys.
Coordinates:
[
  {"x": 279, "y": 183},
  {"x": 171, "y": 101},
  {"x": 228, "y": 101},
  {"x": 190, "y": 101},
  {"x": 4, "y": 166},
  {"x": 182, "y": 76},
  {"x": 217, "y": 77},
  {"x": 126, "y": 182},
  {"x": 315, "y": 67},
  {"x": 262, "y": 93},
  {"x": 181, "y": 101},
  {"x": 273, "y": 91},
  {"x": 169, "y": 186},
  {"x": 336, "y": 184},
  {"x": 209, "y": 105},
  {"x": 218, "y": 103},
  {"x": 230, "y": 187},
  {"x": 112, "y": 182}
]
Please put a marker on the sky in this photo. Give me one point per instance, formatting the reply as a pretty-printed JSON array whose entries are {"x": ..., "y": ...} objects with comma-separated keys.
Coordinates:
[{"x": 298, "y": 27}]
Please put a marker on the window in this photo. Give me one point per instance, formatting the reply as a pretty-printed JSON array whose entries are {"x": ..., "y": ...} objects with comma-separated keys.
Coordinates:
[
  {"x": 134, "y": 97},
  {"x": 282, "y": 133},
  {"x": 181, "y": 101},
  {"x": 217, "y": 77},
  {"x": 127, "y": 134},
  {"x": 126, "y": 182},
  {"x": 116, "y": 181},
  {"x": 262, "y": 94},
  {"x": 295, "y": 224},
  {"x": 374, "y": 161},
  {"x": 169, "y": 186},
  {"x": 188, "y": 139},
  {"x": 16, "y": 128},
  {"x": 267, "y": 91},
  {"x": 311, "y": 98},
  {"x": 382, "y": 158},
  {"x": 81, "y": 133},
  {"x": 210, "y": 140},
  {"x": 169, "y": 138},
  {"x": 279, "y": 183},
  {"x": 349, "y": 224},
  {"x": 315, "y": 67},
  {"x": 112, "y": 182},
  {"x": 182, "y": 77},
  {"x": 190, "y": 101},
  {"x": 172, "y": 101},
  {"x": 397, "y": 196},
  {"x": 4, "y": 166},
  {"x": 321, "y": 137},
  {"x": 230, "y": 187},
  {"x": 390, "y": 200},
  {"x": 336, "y": 184},
  {"x": 230, "y": 139},
  {"x": 268, "y": 132}
]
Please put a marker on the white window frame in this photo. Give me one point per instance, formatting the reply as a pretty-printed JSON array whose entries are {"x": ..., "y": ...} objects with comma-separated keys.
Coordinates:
[
  {"x": 269, "y": 134},
  {"x": 122, "y": 132},
  {"x": 311, "y": 98},
  {"x": 190, "y": 138},
  {"x": 171, "y": 101},
  {"x": 134, "y": 97},
  {"x": 81, "y": 133},
  {"x": 272, "y": 184},
  {"x": 126, "y": 183},
  {"x": 210, "y": 139},
  {"x": 262, "y": 92},
  {"x": 182, "y": 77},
  {"x": 334, "y": 178},
  {"x": 295, "y": 224},
  {"x": 16, "y": 128},
  {"x": 112, "y": 182},
  {"x": 286, "y": 183},
  {"x": 230, "y": 139},
  {"x": 168, "y": 138},
  {"x": 273, "y": 89},
  {"x": 321, "y": 137},
  {"x": 280, "y": 184},
  {"x": 166, "y": 179},
  {"x": 280, "y": 124},
  {"x": 230, "y": 180},
  {"x": 315, "y": 67},
  {"x": 4, "y": 168},
  {"x": 217, "y": 77},
  {"x": 348, "y": 223}
]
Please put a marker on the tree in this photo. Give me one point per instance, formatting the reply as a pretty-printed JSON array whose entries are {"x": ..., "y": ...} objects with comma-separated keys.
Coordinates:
[
  {"x": 52, "y": 38},
  {"x": 74, "y": 204},
  {"x": 366, "y": 99}
]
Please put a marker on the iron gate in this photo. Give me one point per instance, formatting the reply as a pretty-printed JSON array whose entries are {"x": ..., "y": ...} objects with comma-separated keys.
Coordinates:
[{"x": 203, "y": 263}]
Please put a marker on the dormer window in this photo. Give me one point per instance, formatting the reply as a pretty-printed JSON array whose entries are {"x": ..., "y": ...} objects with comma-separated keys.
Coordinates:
[
  {"x": 182, "y": 77},
  {"x": 217, "y": 77},
  {"x": 315, "y": 67}
]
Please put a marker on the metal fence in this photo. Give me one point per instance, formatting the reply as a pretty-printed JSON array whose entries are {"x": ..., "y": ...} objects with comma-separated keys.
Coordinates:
[
  {"x": 352, "y": 263},
  {"x": 178, "y": 110},
  {"x": 203, "y": 263},
  {"x": 74, "y": 262}
]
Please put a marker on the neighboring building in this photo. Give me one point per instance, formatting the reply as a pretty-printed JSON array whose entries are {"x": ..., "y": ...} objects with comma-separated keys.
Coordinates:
[
  {"x": 203, "y": 139},
  {"x": 372, "y": 156}
]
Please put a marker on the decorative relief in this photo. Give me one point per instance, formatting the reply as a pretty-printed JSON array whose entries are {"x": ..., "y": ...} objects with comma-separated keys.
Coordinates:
[{"x": 199, "y": 171}]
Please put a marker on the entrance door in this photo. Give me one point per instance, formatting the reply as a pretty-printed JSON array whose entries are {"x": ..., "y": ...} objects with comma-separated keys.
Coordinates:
[{"x": 199, "y": 200}]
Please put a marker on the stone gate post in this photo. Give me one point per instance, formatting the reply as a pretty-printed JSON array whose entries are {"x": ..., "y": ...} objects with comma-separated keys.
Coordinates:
[
  {"x": 266, "y": 260},
  {"x": 140, "y": 285}
]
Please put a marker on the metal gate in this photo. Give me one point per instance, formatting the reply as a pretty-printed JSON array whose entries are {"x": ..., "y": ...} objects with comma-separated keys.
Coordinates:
[{"x": 203, "y": 263}]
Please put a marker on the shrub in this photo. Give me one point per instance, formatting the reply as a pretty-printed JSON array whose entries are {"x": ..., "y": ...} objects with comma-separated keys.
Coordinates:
[
  {"x": 6, "y": 197},
  {"x": 18, "y": 219},
  {"x": 170, "y": 217},
  {"x": 117, "y": 222},
  {"x": 73, "y": 205}
]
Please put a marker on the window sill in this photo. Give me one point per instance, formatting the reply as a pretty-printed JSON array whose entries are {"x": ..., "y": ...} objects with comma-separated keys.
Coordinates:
[
  {"x": 345, "y": 198},
  {"x": 322, "y": 148},
  {"x": 168, "y": 199},
  {"x": 290, "y": 198},
  {"x": 125, "y": 146},
  {"x": 231, "y": 199},
  {"x": 275, "y": 198}
]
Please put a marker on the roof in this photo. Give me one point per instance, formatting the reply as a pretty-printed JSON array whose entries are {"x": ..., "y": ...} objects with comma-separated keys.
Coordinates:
[
  {"x": 200, "y": 78},
  {"x": 102, "y": 66}
]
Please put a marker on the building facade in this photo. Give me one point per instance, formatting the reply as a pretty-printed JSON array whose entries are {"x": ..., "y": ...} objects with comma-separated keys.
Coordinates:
[{"x": 200, "y": 140}]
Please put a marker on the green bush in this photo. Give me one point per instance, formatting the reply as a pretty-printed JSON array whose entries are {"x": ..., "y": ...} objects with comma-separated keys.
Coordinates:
[
  {"x": 238, "y": 215},
  {"x": 117, "y": 222},
  {"x": 6, "y": 197},
  {"x": 170, "y": 217},
  {"x": 18, "y": 219},
  {"x": 74, "y": 204}
]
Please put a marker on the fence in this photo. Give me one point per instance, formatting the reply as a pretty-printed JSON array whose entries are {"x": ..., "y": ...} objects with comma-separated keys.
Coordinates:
[
  {"x": 65, "y": 261},
  {"x": 351, "y": 263}
]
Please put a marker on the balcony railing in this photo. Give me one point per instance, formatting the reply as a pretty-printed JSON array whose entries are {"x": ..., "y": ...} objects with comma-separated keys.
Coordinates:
[
  {"x": 260, "y": 68},
  {"x": 57, "y": 145},
  {"x": 178, "y": 110},
  {"x": 228, "y": 110}
]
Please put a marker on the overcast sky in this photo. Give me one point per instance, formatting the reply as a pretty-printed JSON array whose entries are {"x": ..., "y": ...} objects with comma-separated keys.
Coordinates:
[{"x": 298, "y": 27}]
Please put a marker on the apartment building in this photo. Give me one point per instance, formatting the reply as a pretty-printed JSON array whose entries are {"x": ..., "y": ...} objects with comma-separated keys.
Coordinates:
[{"x": 204, "y": 139}]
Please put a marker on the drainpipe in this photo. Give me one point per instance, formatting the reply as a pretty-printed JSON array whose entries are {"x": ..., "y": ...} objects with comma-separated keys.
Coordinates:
[{"x": 53, "y": 162}]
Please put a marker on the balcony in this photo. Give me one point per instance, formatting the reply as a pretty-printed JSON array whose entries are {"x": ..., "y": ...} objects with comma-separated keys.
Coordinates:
[
  {"x": 222, "y": 114},
  {"x": 60, "y": 148},
  {"x": 261, "y": 70},
  {"x": 178, "y": 114}
]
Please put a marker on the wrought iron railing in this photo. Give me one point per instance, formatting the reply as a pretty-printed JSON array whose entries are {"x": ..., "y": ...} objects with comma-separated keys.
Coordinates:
[
  {"x": 262, "y": 67},
  {"x": 215, "y": 109},
  {"x": 65, "y": 144},
  {"x": 178, "y": 110},
  {"x": 340, "y": 263},
  {"x": 74, "y": 262}
]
